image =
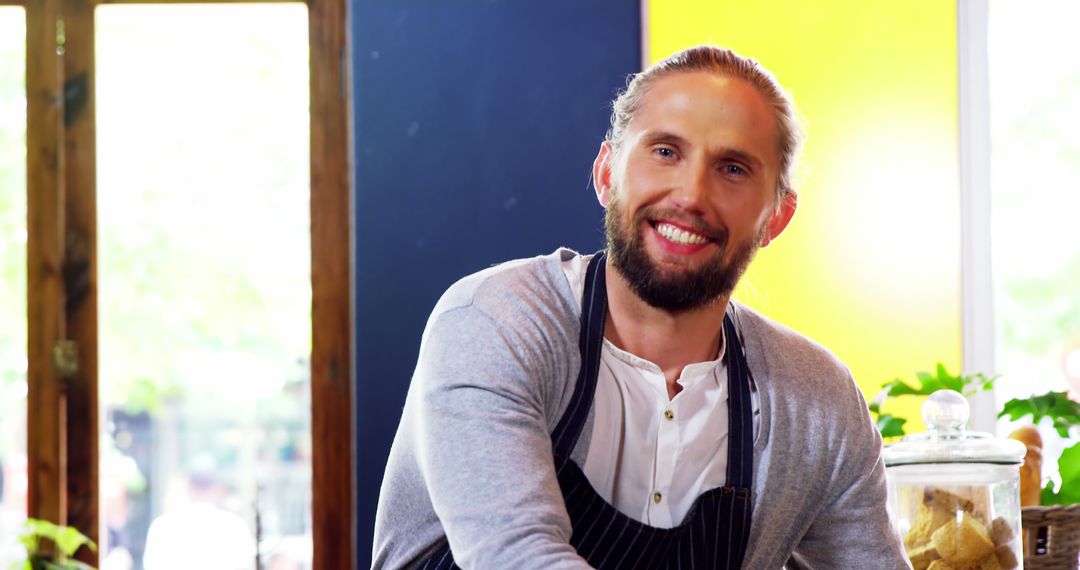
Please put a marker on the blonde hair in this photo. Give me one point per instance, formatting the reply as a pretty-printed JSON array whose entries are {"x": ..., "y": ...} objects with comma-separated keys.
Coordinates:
[{"x": 730, "y": 64}]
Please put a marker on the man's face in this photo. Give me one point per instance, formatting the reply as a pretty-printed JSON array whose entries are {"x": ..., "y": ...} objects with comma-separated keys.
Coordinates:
[{"x": 690, "y": 193}]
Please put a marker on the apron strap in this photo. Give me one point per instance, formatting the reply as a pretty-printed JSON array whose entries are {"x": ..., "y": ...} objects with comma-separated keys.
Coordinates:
[
  {"x": 590, "y": 344},
  {"x": 740, "y": 465}
]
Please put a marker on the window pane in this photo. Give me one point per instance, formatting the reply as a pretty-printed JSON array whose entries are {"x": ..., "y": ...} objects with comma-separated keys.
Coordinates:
[
  {"x": 1035, "y": 162},
  {"x": 12, "y": 281},
  {"x": 204, "y": 276}
]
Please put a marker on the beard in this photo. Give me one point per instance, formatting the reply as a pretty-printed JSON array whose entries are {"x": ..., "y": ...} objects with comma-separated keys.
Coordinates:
[{"x": 674, "y": 291}]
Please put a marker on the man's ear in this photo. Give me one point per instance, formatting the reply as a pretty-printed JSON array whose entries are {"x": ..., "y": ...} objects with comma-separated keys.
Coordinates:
[
  {"x": 601, "y": 172},
  {"x": 780, "y": 217}
]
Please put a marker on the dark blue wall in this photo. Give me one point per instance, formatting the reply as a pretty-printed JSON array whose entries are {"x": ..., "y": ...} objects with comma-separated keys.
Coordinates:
[{"x": 476, "y": 126}]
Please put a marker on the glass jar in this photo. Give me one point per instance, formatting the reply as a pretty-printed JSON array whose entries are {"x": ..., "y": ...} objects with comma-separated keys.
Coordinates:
[{"x": 954, "y": 495}]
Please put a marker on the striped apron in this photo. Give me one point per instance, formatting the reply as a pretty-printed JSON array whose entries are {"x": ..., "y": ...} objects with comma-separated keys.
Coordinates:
[{"x": 715, "y": 531}]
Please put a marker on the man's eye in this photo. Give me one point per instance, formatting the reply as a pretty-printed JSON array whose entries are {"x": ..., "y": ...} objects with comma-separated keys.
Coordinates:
[
  {"x": 733, "y": 170},
  {"x": 664, "y": 152}
]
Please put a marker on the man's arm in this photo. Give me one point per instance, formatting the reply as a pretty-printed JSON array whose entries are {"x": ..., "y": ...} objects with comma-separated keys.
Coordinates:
[
  {"x": 853, "y": 529},
  {"x": 483, "y": 442}
]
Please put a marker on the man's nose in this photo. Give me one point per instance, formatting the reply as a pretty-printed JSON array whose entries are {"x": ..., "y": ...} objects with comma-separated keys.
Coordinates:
[{"x": 693, "y": 189}]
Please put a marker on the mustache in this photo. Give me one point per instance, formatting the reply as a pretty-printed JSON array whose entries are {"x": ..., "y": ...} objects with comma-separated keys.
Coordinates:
[{"x": 699, "y": 226}]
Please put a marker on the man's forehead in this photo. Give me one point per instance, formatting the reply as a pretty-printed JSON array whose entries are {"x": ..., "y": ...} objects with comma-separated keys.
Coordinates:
[{"x": 706, "y": 106}]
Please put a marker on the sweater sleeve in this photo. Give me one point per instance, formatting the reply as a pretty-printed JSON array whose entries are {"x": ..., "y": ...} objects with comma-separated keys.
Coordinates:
[
  {"x": 483, "y": 443},
  {"x": 853, "y": 529}
]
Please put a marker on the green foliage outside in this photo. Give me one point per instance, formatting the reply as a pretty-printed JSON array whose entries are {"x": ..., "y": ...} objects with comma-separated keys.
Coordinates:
[
  {"x": 12, "y": 224},
  {"x": 1035, "y": 159},
  {"x": 1044, "y": 310},
  {"x": 203, "y": 233},
  {"x": 216, "y": 264}
]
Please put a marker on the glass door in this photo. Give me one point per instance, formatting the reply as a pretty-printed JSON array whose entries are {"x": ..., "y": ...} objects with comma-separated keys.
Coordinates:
[
  {"x": 13, "y": 364},
  {"x": 1034, "y": 165},
  {"x": 204, "y": 285},
  {"x": 184, "y": 233}
]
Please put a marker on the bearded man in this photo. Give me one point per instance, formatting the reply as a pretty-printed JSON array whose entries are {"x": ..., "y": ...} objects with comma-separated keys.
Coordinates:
[{"x": 618, "y": 410}]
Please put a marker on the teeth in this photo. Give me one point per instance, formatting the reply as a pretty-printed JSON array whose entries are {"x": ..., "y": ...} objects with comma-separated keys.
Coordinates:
[{"x": 681, "y": 236}]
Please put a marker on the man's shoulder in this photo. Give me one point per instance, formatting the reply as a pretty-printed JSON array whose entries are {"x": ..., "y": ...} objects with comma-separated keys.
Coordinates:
[{"x": 534, "y": 282}]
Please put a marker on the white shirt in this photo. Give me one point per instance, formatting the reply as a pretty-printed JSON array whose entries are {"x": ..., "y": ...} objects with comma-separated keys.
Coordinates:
[
  {"x": 650, "y": 456},
  {"x": 199, "y": 535}
]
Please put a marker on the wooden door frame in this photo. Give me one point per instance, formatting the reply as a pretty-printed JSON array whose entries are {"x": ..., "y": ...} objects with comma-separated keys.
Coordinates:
[{"x": 63, "y": 407}]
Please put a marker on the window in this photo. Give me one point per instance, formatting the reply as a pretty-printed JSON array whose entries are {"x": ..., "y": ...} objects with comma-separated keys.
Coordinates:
[
  {"x": 1034, "y": 88},
  {"x": 70, "y": 254},
  {"x": 204, "y": 279},
  {"x": 13, "y": 388}
]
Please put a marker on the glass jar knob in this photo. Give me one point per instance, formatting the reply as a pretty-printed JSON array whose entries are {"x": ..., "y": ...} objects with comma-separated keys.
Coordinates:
[{"x": 945, "y": 412}]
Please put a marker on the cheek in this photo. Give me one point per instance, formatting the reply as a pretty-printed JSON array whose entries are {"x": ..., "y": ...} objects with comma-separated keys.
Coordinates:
[{"x": 744, "y": 208}]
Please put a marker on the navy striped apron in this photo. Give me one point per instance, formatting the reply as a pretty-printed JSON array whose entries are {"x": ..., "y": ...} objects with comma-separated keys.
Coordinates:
[{"x": 715, "y": 531}]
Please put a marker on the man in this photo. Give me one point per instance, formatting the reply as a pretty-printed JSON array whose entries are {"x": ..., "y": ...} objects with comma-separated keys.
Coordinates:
[{"x": 618, "y": 410}]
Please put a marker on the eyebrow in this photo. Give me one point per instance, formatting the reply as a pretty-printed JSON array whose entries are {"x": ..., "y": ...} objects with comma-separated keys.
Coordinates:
[{"x": 665, "y": 137}]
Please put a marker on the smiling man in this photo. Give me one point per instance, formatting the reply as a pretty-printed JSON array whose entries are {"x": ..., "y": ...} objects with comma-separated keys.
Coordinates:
[{"x": 618, "y": 410}]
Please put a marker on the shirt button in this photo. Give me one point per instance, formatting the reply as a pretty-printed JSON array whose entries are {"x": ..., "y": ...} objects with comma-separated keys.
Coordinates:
[
  {"x": 657, "y": 497},
  {"x": 669, "y": 415}
]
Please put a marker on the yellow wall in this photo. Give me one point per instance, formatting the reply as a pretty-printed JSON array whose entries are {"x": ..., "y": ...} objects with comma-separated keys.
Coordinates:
[{"x": 870, "y": 266}]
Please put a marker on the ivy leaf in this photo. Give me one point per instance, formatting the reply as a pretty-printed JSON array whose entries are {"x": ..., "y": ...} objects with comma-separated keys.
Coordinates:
[
  {"x": 954, "y": 383},
  {"x": 890, "y": 426},
  {"x": 1069, "y": 469},
  {"x": 941, "y": 379},
  {"x": 1070, "y": 472},
  {"x": 878, "y": 401},
  {"x": 1064, "y": 412},
  {"x": 29, "y": 541},
  {"x": 69, "y": 539},
  {"x": 898, "y": 388},
  {"x": 1048, "y": 496},
  {"x": 928, "y": 383},
  {"x": 975, "y": 383}
]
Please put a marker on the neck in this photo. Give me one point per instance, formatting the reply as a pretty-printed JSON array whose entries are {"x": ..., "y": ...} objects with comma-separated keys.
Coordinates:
[{"x": 668, "y": 339}]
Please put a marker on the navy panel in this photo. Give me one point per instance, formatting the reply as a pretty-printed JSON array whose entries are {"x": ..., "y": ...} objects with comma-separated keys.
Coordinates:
[{"x": 476, "y": 127}]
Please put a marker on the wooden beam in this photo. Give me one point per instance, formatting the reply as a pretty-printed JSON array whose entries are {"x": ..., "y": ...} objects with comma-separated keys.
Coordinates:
[
  {"x": 332, "y": 371},
  {"x": 45, "y": 250},
  {"x": 80, "y": 272}
]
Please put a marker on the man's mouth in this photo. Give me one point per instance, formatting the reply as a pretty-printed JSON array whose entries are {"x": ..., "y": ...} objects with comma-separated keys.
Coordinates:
[{"x": 678, "y": 235}]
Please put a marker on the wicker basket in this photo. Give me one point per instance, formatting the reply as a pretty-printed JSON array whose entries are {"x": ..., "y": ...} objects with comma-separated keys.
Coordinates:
[{"x": 1051, "y": 537}]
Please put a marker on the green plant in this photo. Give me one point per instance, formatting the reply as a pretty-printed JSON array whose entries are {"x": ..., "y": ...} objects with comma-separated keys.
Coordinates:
[
  {"x": 1063, "y": 412},
  {"x": 941, "y": 379},
  {"x": 1065, "y": 415},
  {"x": 66, "y": 539}
]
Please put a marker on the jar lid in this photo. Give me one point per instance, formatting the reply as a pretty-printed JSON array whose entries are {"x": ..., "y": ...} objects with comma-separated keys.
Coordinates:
[{"x": 947, "y": 441}]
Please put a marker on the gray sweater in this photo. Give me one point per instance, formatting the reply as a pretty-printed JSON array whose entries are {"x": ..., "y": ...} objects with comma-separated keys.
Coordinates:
[{"x": 472, "y": 460}]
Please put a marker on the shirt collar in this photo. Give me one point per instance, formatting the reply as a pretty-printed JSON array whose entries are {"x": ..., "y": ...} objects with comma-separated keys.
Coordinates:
[{"x": 691, "y": 374}]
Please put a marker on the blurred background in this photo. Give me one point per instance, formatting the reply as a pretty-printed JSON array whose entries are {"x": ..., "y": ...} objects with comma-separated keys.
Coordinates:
[{"x": 936, "y": 196}]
